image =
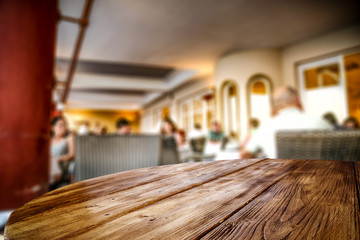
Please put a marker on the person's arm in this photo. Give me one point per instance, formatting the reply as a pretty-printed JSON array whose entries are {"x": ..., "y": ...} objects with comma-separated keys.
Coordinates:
[{"x": 71, "y": 147}]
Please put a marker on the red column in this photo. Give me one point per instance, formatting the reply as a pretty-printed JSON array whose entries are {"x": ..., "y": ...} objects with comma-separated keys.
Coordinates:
[{"x": 27, "y": 41}]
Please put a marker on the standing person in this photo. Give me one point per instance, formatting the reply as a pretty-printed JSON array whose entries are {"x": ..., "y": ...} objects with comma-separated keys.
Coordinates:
[
  {"x": 216, "y": 134},
  {"x": 289, "y": 116},
  {"x": 123, "y": 127},
  {"x": 62, "y": 152}
]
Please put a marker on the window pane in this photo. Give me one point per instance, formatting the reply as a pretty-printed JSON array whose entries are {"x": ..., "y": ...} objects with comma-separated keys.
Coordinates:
[
  {"x": 198, "y": 118},
  {"x": 197, "y": 105},
  {"x": 258, "y": 87},
  {"x": 322, "y": 76}
]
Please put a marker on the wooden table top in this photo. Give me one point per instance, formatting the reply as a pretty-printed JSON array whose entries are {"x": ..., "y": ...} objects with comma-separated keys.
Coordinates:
[{"x": 237, "y": 199}]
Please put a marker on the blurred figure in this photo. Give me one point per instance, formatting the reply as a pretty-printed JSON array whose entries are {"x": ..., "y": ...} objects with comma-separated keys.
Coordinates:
[
  {"x": 332, "y": 120},
  {"x": 62, "y": 152},
  {"x": 168, "y": 127},
  {"x": 197, "y": 132},
  {"x": 97, "y": 128},
  {"x": 289, "y": 116},
  {"x": 84, "y": 128},
  {"x": 181, "y": 137},
  {"x": 254, "y": 124},
  {"x": 123, "y": 127},
  {"x": 169, "y": 130},
  {"x": 216, "y": 134},
  {"x": 104, "y": 130},
  {"x": 350, "y": 123}
]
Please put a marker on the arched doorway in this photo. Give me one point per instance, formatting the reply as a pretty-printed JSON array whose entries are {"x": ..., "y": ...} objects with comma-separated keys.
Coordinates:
[
  {"x": 230, "y": 108},
  {"x": 259, "y": 90}
]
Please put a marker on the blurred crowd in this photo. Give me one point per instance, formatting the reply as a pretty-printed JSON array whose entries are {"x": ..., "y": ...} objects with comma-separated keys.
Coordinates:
[{"x": 259, "y": 142}]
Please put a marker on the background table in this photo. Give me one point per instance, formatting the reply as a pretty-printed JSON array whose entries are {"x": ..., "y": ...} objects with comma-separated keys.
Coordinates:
[{"x": 238, "y": 199}]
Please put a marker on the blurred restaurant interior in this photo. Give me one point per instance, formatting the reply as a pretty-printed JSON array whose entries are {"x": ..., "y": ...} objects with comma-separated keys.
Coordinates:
[{"x": 194, "y": 64}]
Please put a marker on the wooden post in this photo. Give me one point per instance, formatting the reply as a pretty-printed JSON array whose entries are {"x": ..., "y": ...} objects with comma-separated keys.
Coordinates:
[{"x": 27, "y": 46}]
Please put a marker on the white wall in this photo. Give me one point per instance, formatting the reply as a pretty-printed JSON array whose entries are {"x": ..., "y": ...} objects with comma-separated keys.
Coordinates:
[{"x": 240, "y": 67}]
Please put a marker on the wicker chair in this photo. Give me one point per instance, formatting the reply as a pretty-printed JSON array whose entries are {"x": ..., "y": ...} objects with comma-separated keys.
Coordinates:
[
  {"x": 317, "y": 144},
  {"x": 169, "y": 152},
  {"x": 100, "y": 155},
  {"x": 197, "y": 147},
  {"x": 198, "y": 144}
]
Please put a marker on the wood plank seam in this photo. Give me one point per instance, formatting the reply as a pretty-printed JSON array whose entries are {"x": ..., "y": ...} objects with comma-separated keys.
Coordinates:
[
  {"x": 248, "y": 202},
  {"x": 328, "y": 205},
  {"x": 178, "y": 232},
  {"x": 357, "y": 207},
  {"x": 187, "y": 187},
  {"x": 73, "y": 190},
  {"x": 167, "y": 196}
]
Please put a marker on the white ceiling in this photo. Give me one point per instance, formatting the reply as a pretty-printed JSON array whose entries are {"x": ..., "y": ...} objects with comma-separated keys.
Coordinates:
[{"x": 187, "y": 35}]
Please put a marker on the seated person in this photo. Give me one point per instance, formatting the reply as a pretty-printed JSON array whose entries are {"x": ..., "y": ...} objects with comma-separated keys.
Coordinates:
[
  {"x": 253, "y": 126},
  {"x": 350, "y": 123},
  {"x": 169, "y": 130},
  {"x": 123, "y": 127},
  {"x": 331, "y": 119},
  {"x": 216, "y": 135},
  {"x": 62, "y": 152},
  {"x": 288, "y": 116}
]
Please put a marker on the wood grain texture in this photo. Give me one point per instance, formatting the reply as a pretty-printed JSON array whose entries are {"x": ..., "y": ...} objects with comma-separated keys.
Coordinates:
[
  {"x": 239, "y": 199},
  {"x": 317, "y": 201},
  {"x": 357, "y": 206},
  {"x": 119, "y": 193}
]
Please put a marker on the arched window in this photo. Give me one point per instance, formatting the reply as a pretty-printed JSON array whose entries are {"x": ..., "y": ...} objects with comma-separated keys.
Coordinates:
[
  {"x": 230, "y": 108},
  {"x": 259, "y": 98}
]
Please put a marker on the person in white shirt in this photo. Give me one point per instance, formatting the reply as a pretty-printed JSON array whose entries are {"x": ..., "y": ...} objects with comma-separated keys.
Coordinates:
[{"x": 288, "y": 116}]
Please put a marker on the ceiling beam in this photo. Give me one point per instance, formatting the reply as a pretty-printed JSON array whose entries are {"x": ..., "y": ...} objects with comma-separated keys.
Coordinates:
[
  {"x": 93, "y": 81},
  {"x": 103, "y": 97},
  {"x": 102, "y": 106}
]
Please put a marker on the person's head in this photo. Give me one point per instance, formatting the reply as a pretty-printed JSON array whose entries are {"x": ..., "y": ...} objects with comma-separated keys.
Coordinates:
[
  {"x": 59, "y": 126},
  {"x": 285, "y": 97},
  {"x": 197, "y": 126},
  {"x": 97, "y": 124},
  {"x": 104, "y": 130},
  {"x": 254, "y": 123},
  {"x": 123, "y": 126},
  {"x": 97, "y": 129},
  {"x": 169, "y": 127},
  {"x": 216, "y": 126},
  {"x": 351, "y": 123},
  {"x": 330, "y": 118},
  {"x": 86, "y": 124}
]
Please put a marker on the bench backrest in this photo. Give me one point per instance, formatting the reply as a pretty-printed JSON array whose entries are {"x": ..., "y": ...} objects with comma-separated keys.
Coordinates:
[{"x": 100, "y": 155}]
